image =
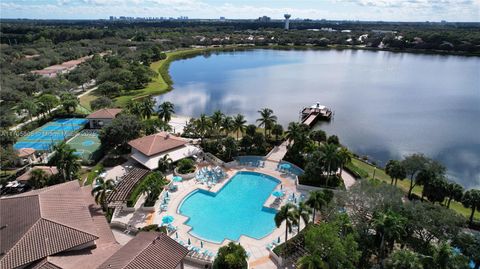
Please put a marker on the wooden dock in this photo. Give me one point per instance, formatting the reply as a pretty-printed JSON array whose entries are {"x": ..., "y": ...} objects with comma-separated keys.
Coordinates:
[{"x": 311, "y": 115}]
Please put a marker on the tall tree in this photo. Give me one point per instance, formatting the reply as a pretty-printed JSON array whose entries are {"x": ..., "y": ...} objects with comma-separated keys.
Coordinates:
[
  {"x": 318, "y": 199},
  {"x": 302, "y": 212},
  {"x": 38, "y": 178},
  {"x": 267, "y": 119},
  {"x": 395, "y": 170},
  {"x": 227, "y": 125},
  {"x": 413, "y": 164},
  {"x": 66, "y": 161},
  {"x": 147, "y": 107},
  {"x": 389, "y": 226},
  {"x": 330, "y": 158},
  {"x": 135, "y": 108},
  {"x": 345, "y": 157},
  {"x": 404, "y": 259},
  {"x": 121, "y": 130},
  {"x": 286, "y": 214},
  {"x": 471, "y": 199},
  {"x": 277, "y": 131},
  {"x": 30, "y": 106},
  {"x": 231, "y": 256},
  {"x": 165, "y": 163},
  {"x": 102, "y": 190},
  {"x": 203, "y": 126},
  {"x": 166, "y": 111},
  {"x": 101, "y": 102},
  {"x": 454, "y": 192},
  {"x": 69, "y": 102},
  {"x": 239, "y": 124},
  {"x": 216, "y": 121}
]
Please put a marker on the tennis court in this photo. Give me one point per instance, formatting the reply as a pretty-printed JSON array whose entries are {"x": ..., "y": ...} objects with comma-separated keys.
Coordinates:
[
  {"x": 50, "y": 134},
  {"x": 86, "y": 145}
]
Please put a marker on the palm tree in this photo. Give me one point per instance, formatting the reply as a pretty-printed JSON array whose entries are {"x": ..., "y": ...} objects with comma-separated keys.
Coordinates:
[
  {"x": 164, "y": 163},
  {"x": 165, "y": 111},
  {"x": 216, "y": 119},
  {"x": 267, "y": 119},
  {"x": 147, "y": 107},
  {"x": 135, "y": 108},
  {"x": 345, "y": 157},
  {"x": 302, "y": 212},
  {"x": 296, "y": 131},
  {"x": 152, "y": 186},
  {"x": 318, "y": 199},
  {"x": 227, "y": 125},
  {"x": 404, "y": 259},
  {"x": 102, "y": 190},
  {"x": 203, "y": 125},
  {"x": 277, "y": 130},
  {"x": 395, "y": 170},
  {"x": 38, "y": 178},
  {"x": 66, "y": 161},
  {"x": 330, "y": 158},
  {"x": 389, "y": 226},
  {"x": 455, "y": 192},
  {"x": 239, "y": 124},
  {"x": 312, "y": 261},
  {"x": 30, "y": 106},
  {"x": 286, "y": 214},
  {"x": 471, "y": 199}
]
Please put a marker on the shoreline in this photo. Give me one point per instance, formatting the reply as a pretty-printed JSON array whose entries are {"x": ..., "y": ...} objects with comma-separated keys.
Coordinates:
[{"x": 163, "y": 82}]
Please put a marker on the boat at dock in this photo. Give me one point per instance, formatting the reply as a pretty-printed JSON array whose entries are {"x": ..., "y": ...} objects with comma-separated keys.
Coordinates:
[{"x": 312, "y": 114}]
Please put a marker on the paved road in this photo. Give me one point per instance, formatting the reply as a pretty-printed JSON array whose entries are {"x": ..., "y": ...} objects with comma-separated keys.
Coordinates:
[{"x": 14, "y": 128}]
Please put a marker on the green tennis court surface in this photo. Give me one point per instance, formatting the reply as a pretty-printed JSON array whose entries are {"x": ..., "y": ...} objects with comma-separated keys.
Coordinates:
[{"x": 87, "y": 145}]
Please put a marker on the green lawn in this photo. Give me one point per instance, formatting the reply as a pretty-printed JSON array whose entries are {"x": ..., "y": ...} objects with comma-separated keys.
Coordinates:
[
  {"x": 86, "y": 99},
  {"x": 405, "y": 184},
  {"x": 162, "y": 82}
]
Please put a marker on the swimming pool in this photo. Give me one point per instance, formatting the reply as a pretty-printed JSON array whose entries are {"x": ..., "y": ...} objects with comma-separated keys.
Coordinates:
[{"x": 237, "y": 209}]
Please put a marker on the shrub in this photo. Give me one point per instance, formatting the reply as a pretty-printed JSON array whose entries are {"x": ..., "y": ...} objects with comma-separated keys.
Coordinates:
[
  {"x": 231, "y": 256},
  {"x": 186, "y": 166}
]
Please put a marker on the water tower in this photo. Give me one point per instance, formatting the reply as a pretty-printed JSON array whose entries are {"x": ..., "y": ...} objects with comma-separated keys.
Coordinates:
[{"x": 287, "y": 21}]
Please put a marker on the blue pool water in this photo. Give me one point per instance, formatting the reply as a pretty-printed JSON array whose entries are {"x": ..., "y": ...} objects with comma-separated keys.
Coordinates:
[{"x": 237, "y": 209}]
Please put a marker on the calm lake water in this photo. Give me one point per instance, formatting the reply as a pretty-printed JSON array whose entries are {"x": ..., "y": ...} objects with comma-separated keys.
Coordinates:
[{"x": 386, "y": 104}]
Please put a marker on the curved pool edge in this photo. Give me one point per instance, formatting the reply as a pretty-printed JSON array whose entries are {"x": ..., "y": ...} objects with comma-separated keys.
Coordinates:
[{"x": 214, "y": 193}]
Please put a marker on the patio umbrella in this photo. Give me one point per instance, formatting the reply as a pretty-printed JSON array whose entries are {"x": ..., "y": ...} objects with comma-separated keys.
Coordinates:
[
  {"x": 176, "y": 235},
  {"x": 201, "y": 244},
  {"x": 278, "y": 193},
  {"x": 286, "y": 166},
  {"x": 166, "y": 194},
  {"x": 167, "y": 219},
  {"x": 278, "y": 240},
  {"x": 164, "y": 200},
  {"x": 293, "y": 195},
  {"x": 281, "y": 186},
  {"x": 189, "y": 242}
]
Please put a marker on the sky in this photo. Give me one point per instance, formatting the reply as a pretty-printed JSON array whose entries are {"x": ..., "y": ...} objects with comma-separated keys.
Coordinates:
[{"x": 386, "y": 10}]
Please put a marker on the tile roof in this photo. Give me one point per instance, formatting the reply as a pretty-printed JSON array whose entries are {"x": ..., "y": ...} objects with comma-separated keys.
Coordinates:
[
  {"x": 24, "y": 152},
  {"x": 50, "y": 170},
  {"x": 157, "y": 143},
  {"x": 147, "y": 250},
  {"x": 44, "y": 222},
  {"x": 105, "y": 113}
]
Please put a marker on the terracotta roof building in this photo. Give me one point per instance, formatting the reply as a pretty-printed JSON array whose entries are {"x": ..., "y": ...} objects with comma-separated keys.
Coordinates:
[
  {"x": 150, "y": 149},
  {"x": 102, "y": 117},
  {"x": 55, "y": 227},
  {"x": 148, "y": 250},
  {"x": 26, "y": 156},
  {"x": 49, "y": 170}
]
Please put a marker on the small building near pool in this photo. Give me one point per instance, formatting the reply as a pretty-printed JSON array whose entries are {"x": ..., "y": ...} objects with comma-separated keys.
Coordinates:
[
  {"x": 26, "y": 156},
  {"x": 150, "y": 149},
  {"x": 102, "y": 117}
]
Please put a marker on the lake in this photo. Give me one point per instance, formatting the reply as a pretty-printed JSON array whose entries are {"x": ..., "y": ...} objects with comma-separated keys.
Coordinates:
[{"x": 386, "y": 104}]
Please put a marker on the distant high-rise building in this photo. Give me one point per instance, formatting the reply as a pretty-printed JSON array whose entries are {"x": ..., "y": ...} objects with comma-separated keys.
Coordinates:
[
  {"x": 287, "y": 21},
  {"x": 222, "y": 18},
  {"x": 264, "y": 19}
]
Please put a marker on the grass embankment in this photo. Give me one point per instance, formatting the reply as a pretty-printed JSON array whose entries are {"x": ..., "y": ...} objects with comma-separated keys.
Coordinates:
[
  {"x": 161, "y": 83},
  {"x": 367, "y": 169}
]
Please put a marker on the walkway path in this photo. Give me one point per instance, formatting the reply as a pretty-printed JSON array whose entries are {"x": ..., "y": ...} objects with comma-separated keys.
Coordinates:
[
  {"x": 14, "y": 128},
  {"x": 278, "y": 152}
]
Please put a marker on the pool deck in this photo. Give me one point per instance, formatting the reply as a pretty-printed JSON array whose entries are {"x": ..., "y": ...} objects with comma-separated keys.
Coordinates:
[{"x": 255, "y": 247}]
